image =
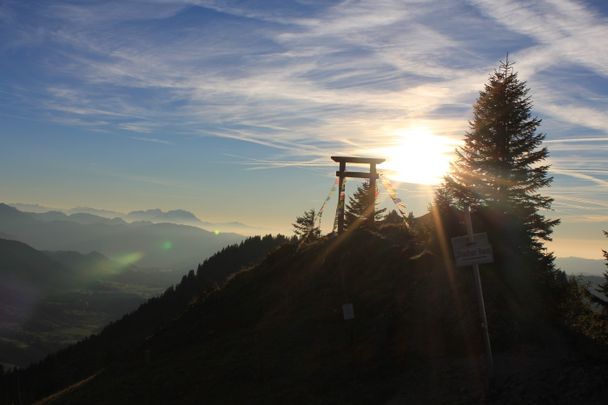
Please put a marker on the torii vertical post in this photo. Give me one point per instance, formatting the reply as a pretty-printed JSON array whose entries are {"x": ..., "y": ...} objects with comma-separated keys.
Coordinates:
[
  {"x": 372, "y": 192},
  {"x": 341, "y": 203},
  {"x": 372, "y": 176}
]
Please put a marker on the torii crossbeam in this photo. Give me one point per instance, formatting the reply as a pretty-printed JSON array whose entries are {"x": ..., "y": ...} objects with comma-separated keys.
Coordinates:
[{"x": 342, "y": 174}]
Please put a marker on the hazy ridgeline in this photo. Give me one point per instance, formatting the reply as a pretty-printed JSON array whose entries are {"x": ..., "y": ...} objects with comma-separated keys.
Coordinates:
[
  {"x": 72, "y": 274},
  {"x": 164, "y": 246}
]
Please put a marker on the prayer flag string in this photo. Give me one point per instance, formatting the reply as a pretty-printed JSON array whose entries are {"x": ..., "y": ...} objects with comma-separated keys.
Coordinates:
[
  {"x": 317, "y": 220},
  {"x": 331, "y": 192},
  {"x": 393, "y": 194}
]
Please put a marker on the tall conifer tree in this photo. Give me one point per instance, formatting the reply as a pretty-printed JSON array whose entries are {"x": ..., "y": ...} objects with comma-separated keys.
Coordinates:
[{"x": 502, "y": 163}]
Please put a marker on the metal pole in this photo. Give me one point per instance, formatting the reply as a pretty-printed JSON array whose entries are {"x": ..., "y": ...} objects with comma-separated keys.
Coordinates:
[{"x": 482, "y": 306}]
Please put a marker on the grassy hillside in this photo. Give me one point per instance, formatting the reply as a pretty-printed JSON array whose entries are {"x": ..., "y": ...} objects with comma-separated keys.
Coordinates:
[{"x": 276, "y": 334}]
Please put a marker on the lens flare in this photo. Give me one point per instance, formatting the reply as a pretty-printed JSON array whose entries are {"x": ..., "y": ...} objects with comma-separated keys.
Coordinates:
[
  {"x": 128, "y": 259},
  {"x": 167, "y": 245}
]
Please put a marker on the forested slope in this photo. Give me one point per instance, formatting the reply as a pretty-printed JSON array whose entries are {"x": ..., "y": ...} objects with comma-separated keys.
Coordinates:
[{"x": 127, "y": 335}]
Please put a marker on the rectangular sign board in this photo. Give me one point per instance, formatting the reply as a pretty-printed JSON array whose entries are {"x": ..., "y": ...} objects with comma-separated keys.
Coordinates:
[
  {"x": 348, "y": 312},
  {"x": 468, "y": 253}
]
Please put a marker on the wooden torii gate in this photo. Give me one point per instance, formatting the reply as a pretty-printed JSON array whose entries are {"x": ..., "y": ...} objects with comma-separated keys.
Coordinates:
[{"x": 342, "y": 174}]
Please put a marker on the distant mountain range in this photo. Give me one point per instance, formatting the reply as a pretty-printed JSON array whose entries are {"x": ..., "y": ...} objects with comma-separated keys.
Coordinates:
[
  {"x": 147, "y": 244},
  {"x": 578, "y": 265},
  {"x": 154, "y": 215},
  {"x": 37, "y": 208},
  {"x": 94, "y": 211},
  {"x": 157, "y": 215},
  {"x": 81, "y": 218}
]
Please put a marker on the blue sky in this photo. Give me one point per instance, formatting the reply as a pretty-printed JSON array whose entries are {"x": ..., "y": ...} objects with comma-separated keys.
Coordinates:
[{"x": 231, "y": 109}]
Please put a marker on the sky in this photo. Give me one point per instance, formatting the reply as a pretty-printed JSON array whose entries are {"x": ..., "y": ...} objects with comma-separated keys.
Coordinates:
[{"x": 231, "y": 109}]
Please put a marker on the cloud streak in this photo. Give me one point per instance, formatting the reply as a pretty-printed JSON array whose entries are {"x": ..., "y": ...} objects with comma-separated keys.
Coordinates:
[
  {"x": 305, "y": 81},
  {"x": 151, "y": 140}
]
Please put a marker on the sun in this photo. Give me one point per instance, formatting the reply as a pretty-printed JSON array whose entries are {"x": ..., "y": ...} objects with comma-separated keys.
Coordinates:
[{"x": 418, "y": 156}]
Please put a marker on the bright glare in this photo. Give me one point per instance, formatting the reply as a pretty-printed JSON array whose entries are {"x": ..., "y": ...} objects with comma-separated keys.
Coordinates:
[{"x": 419, "y": 156}]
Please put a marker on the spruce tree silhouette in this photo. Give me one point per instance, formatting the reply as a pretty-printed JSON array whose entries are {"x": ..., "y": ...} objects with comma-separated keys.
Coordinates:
[
  {"x": 359, "y": 207},
  {"x": 393, "y": 217},
  {"x": 502, "y": 164},
  {"x": 499, "y": 172}
]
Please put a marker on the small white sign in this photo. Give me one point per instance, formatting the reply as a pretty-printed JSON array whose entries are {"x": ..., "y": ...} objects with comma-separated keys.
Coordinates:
[
  {"x": 477, "y": 251},
  {"x": 348, "y": 311}
]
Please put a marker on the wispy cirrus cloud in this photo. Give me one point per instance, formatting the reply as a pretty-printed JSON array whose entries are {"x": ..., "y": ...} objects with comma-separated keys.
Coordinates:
[
  {"x": 286, "y": 80},
  {"x": 566, "y": 33},
  {"x": 152, "y": 140},
  {"x": 308, "y": 79},
  {"x": 567, "y": 69}
]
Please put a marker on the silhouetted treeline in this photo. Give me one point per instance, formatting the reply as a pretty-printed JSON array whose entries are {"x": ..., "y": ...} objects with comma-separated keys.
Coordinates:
[{"x": 120, "y": 338}]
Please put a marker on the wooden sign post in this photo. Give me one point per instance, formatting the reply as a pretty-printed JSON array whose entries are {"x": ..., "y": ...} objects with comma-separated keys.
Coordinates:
[{"x": 473, "y": 250}]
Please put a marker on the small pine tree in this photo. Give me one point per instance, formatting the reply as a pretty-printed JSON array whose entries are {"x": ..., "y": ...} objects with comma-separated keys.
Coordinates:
[
  {"x": 359, "y": 207},
  {"x": 306, "y": 227},
  {"x": 411, "y": 218},
  {"x": 393, "y": 217}
]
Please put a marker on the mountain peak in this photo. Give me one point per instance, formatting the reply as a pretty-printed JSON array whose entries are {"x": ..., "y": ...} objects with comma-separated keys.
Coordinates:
[
  {"x": 158, "y": 215},
  {"x": 7, "y": 208}
]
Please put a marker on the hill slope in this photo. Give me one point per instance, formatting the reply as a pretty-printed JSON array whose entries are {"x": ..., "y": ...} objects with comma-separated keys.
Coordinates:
[
  {"x": 124, "y": 336},
  {"x": 26, "y": 276},
  {"x": 23, "y": 264},
  {"x": 49, "y": 300},
  {"x": 276, "y": 334}
]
